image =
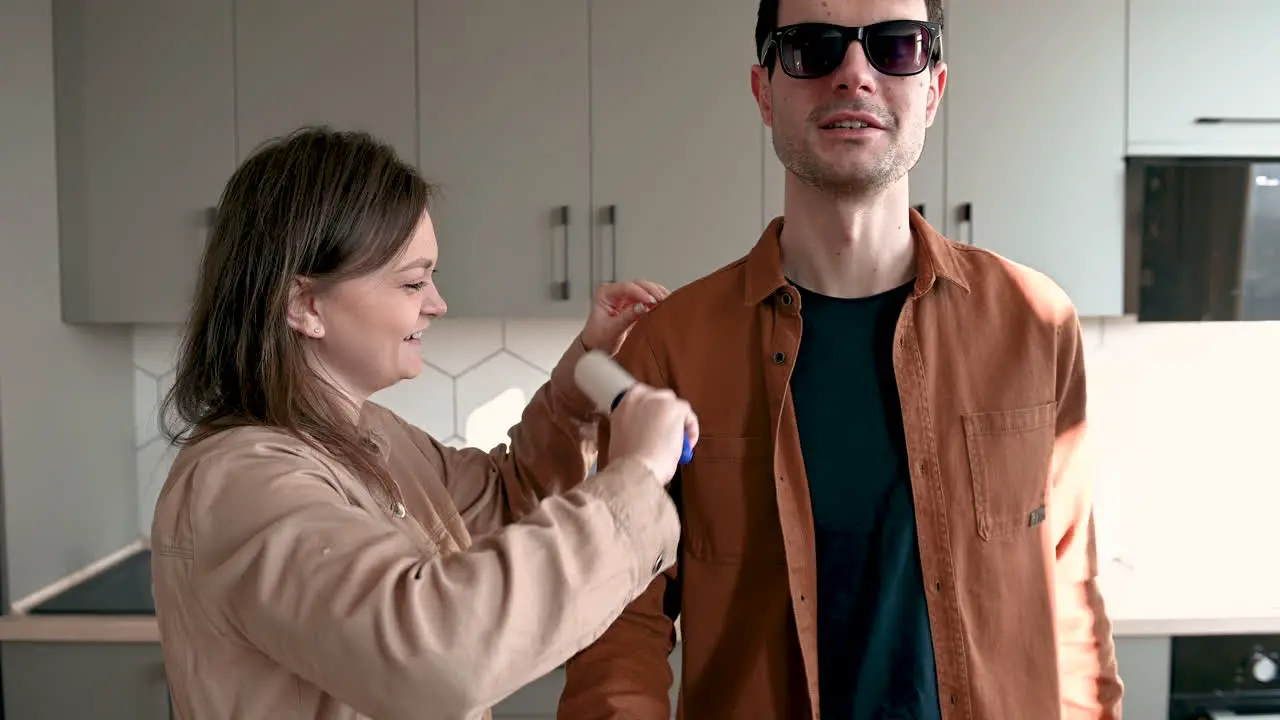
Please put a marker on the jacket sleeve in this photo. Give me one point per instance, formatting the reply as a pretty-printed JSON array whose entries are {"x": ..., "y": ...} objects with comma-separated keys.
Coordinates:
[
  {"x": 1090, "y": 684},
  {"x": 626, "y": 673},
  {"x": 351, "y": 603},
  {"x": 552, "y": 448}
]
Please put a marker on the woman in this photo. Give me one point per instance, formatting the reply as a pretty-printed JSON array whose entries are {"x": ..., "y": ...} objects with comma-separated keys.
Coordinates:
[{"x": 315, "y": 556}]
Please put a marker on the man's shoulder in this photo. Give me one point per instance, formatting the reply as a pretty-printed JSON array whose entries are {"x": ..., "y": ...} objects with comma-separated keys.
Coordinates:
[
  {"x": 1007, "y": 284},
  {"x": 709, "y": 298}
]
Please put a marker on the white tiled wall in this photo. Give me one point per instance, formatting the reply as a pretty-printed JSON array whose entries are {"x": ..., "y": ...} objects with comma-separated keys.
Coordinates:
[{"x": 1185, "y": 414}]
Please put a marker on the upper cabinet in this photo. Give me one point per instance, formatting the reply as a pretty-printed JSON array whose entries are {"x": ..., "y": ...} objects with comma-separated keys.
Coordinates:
[
  {"x": 1035, "y": 140},
  {"x": 157, "y": 103},
  {"x": 676, "y": 173},
  {"x": 580, "y": 141},
  {"x": 504, "y": 129},
  {"x": 573, "y": 150},
  {"x": 349, "y": 65},
  {"x": 145, "y": 94},
  {"x": 1188, "y": 98}
]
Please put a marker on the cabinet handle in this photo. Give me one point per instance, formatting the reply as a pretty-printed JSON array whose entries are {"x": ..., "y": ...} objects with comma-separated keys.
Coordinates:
[
  {"x": 966, "y": 217},
  {"x": 563, "y": 285},
  {"x": 1237, "y": 121},
  {"x": 919, "y": 208},
  {"x": 611, "y": 217}
]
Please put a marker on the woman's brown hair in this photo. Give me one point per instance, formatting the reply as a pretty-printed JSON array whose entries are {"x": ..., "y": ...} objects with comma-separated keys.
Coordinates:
[{"x": 317, "y": 204}]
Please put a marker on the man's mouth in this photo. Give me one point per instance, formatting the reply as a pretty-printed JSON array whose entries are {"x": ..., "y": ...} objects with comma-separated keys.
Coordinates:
[{"x": 846, "y": 125}]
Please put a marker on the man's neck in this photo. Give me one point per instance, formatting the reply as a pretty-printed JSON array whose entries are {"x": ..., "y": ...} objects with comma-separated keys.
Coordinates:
[{"x": 847, "y": 246}]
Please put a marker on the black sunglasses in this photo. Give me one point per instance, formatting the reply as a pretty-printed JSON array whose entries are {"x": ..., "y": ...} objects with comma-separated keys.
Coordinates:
[{"x": 812, "y": 50}]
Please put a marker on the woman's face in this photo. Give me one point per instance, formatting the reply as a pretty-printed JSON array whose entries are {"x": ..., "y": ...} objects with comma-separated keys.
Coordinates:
[{"x": 365, "y": 333}]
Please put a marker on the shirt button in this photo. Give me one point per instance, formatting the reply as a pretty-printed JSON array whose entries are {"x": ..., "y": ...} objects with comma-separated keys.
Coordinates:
[
  {"x": 786, "y": 298},
  {"x": 779, "y": 358},
  {"x": 657, "y": 565},
  {"x": 397, "y": 509}
]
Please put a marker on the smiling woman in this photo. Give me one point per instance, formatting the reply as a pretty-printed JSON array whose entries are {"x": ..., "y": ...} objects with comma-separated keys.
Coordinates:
[{"x": 313, "y": 552}]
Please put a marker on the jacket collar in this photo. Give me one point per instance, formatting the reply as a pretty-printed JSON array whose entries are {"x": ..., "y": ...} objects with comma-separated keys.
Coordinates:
[{"x": 936, "y": 257}]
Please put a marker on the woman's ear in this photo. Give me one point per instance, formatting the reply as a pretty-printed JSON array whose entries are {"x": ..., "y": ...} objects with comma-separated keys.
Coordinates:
[{"x": 303, "y": 315}]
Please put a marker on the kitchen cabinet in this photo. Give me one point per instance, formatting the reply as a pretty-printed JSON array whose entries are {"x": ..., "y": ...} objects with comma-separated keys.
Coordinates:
[
  {"x": 1031, "y": 150},
  {"x": 675, "y": 137},
  {"x": 332, "y": 62},
  {"x": 1143, "y": 662},
  {"x": 145, "y": 99},
  {"x": 157, "y": 103},
  {"x": 504, "y": 108},
  {"x": 573, "y": 149},
  {"x": 1189, "y": 98},
  {"x": 1035, "y": 140},
  {"x": 103, "y": 681}
]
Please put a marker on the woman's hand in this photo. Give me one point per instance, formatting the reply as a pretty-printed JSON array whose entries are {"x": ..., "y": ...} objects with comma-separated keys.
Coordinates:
[{"x": 615, "y": 309}]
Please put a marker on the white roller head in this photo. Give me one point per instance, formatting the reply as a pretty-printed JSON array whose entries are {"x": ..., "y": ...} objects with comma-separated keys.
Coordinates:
[{"x": 601, "y": 379}]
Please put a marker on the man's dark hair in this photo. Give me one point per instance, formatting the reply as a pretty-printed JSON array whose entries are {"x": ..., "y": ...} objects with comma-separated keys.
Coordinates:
[{"x": 767, "y": 22}]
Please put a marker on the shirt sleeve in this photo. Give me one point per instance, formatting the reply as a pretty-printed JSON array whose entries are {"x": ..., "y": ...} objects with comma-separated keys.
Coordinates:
[
  {"x": 626, "y": 674},
  {"x": 351, "y": 603},
  {"x": 551, "y": 451},
  {"x": 1088, "y": 675}
]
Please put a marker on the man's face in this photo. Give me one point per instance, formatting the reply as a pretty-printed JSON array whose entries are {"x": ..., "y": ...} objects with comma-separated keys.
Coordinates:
[{"x": 817, "y": 123}]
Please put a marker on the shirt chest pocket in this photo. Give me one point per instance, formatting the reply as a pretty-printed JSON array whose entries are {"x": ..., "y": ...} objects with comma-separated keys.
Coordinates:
[
  {"x": 730, "y": 505},
  {"x": 1010, "y": 453}
]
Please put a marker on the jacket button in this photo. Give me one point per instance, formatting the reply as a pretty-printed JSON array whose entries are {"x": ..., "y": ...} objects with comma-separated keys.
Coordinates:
[
  {"x": 786, "y": 298},
  {"x": 779, "y": 358}
]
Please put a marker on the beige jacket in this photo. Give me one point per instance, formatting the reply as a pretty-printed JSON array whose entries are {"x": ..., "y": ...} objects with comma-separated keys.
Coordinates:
[{"x": 287, "y": 589}]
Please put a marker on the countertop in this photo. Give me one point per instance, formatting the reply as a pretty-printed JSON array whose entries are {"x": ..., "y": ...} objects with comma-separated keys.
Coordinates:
[
  {"x": 1164, "y": 599},
  {"x": 107, "y": 602},
  {"x": 111, "y": 602}
]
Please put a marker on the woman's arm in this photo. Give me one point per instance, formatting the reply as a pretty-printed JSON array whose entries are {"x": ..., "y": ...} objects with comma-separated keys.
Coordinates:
[
  {"x": 554, "y": 444},
  {"x": 552, "y": 448},
  {"x": 348, "y": 602}
]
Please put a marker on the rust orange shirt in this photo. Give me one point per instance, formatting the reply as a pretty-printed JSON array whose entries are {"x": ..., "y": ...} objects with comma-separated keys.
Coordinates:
[{"x": 991, "y": 377}]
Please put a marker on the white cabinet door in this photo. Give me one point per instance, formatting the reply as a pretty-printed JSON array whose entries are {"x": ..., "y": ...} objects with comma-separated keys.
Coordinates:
[
  {"x": 676, "y": 137},
  {"x": 1035, "y": 128},
  {"x": 146, "y": 140},
  {"x": 332, "y": 62},
  {"x": 1200, "y": 77},
  {"x": 504, "y": 112}
]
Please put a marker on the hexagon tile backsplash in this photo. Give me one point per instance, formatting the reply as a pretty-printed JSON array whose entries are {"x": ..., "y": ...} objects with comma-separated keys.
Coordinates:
[{"x": 479, "y": 374}]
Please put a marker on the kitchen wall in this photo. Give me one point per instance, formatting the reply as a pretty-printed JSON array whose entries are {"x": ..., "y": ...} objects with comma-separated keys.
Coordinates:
[
  {"x": 65, "y": 392},
  {"x": 1184, "y": 415}
]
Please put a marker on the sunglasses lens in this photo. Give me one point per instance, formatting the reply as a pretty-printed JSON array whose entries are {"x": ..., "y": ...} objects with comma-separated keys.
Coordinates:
[
  {"x": 898, "y": 48},
  {"x": 811, "y": 51}
]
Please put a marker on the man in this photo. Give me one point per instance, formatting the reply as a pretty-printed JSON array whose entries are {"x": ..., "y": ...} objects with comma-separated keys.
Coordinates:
[{"x": 888, "y": 514}]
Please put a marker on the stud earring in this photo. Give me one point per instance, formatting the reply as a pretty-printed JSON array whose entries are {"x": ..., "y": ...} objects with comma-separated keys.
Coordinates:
[{"x": 315, "y": 330}]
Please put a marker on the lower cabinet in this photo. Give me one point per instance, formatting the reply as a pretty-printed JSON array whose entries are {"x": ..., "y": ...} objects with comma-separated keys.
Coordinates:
[
  {"x": 75, "y": 681},
  {"x": 1144, "y": 669}
]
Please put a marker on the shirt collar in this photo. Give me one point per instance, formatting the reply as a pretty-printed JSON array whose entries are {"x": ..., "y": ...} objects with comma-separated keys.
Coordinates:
[{"x": 936, "y": 257}]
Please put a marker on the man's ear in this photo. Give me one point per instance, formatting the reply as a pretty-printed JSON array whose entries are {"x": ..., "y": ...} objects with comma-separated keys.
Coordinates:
[
  {"x": 937, "y": 86},
  {"x": 760, "y": 90},
  {"x": 304, "y": 316}
]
